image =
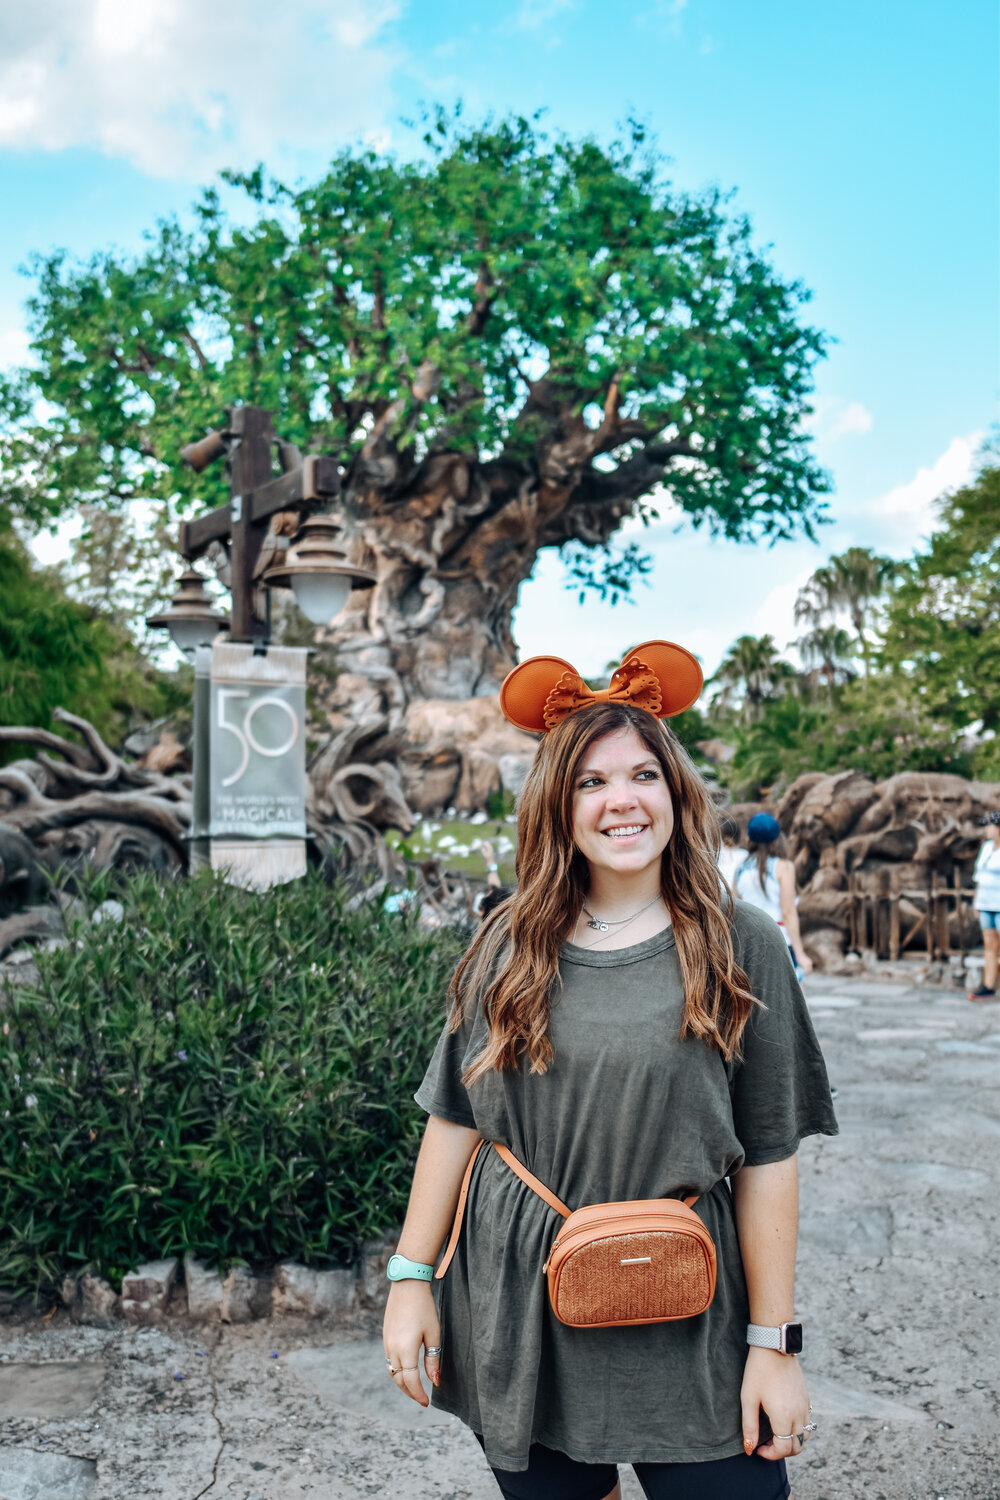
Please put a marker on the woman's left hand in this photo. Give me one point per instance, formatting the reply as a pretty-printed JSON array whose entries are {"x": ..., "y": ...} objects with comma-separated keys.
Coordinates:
[{"x": 775, "y": 1382}]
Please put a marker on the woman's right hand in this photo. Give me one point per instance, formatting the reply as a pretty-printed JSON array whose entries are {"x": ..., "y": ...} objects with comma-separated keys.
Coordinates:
[{"x": 410, "y": 1323}]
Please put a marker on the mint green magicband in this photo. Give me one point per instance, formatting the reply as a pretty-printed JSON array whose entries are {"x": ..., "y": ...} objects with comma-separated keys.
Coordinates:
[{"x": 401, "y": 1269}]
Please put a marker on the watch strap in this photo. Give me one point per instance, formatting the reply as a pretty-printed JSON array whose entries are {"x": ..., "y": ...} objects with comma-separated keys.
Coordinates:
[
  {"x": 402, "y": 1269},
  {"x": 761, "y": 1337}
]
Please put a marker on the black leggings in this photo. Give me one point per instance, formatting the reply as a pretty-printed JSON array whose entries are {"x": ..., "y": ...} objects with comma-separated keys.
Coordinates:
[{"x": 553, "y": 1476}]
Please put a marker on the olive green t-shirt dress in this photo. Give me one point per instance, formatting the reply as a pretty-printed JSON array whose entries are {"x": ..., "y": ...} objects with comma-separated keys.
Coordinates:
[{"x": 625, "y": 1110}]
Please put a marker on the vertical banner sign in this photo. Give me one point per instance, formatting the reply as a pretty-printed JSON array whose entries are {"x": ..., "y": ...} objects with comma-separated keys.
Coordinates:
[
  {"x": 257, "y": 763},
  {"x": 199, "y": 846}
]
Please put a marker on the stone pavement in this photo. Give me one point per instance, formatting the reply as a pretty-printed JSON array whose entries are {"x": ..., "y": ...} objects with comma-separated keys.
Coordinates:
[{"x": 897, "y": 1288}]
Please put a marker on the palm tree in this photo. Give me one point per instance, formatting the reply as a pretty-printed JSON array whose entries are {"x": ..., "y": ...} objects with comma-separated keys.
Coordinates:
[
  {"x": 749, "y": 673},
  {"x": 854, "y": 582},
  {"x": 832, "y": 649}
]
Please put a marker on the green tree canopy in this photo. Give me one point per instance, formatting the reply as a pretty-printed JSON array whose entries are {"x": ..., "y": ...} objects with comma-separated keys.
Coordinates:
[
  {"x": 854, "y": 582},
  {"x": 534, "y": 302},
  {"x": 751, "y": 672},
  {"x": 943, "y": 624},
  {"x": 58, "y": 653}
]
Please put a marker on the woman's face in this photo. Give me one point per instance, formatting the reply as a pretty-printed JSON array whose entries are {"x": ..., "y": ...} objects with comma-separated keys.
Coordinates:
[{"x": 622, "y": 812}]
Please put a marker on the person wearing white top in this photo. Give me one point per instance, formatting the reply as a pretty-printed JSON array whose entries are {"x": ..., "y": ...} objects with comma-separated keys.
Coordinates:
[
  {"x": 767, "y": 879},
  {"x": 732, "y": 854},
  {"x": 986, "y": 875}
]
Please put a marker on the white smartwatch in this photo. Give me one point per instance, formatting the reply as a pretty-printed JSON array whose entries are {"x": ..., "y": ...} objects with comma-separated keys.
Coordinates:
[{"x": 785, "y": 1339}]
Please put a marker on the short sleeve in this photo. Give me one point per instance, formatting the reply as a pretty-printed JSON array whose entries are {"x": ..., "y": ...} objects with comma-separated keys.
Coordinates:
[
  {"x": 442, "y": 1092},
  {"x": 780, "y": 1089}
]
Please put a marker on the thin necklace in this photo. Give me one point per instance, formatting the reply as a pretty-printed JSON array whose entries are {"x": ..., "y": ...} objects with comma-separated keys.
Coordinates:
[
  {"x": 599, "y": 926},
  {"x": 625, "y": 922}
]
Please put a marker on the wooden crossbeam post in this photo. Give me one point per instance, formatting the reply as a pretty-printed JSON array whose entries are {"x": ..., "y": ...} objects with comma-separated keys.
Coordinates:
[{"x": 255, "y": 497}]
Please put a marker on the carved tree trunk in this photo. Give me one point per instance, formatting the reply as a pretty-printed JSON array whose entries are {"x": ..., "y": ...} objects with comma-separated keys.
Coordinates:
[{"x": 451, "y": 540}]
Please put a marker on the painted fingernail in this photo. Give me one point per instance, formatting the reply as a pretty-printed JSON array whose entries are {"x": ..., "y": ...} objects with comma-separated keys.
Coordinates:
[
  {"x": 747, "y": 1445},
  {"x": 436, "y": 1377}
]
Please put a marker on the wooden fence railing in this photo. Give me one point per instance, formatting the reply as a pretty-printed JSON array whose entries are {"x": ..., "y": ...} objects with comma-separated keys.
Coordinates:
[{"x": 878, "y": 924}]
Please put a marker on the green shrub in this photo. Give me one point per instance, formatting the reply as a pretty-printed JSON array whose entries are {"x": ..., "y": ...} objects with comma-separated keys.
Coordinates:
[
  {"x": 500, "y": 804},
  {"x": 224, "y": 1074},
  {"x": 57, "y": 652}
]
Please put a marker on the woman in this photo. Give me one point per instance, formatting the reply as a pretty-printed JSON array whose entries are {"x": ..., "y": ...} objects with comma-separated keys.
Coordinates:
[
  {"x": 626, "y": 1035},
  {"x": 987, "y": 903},
  {"x": 731, "y": 854},
  {"x": 766, "y": 879}
]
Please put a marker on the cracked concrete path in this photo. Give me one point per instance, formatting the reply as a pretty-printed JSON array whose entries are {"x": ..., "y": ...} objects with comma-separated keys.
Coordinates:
[{"x": 897, "y": 1289}]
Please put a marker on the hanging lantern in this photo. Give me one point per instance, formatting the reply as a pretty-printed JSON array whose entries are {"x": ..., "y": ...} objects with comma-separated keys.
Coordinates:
[
  {"x": 191, "y": 620},
  {"x": 317, "y": 571}
]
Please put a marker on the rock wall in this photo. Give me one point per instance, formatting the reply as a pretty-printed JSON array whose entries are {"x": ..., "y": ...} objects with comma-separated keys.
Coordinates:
[
  {"x": 456, "y": 754},
  {"x": 898, "y": 835}
]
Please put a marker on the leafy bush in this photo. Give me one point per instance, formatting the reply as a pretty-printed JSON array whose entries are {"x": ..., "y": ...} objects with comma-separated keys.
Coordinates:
[
  {"x": 500, "y": 804},
  {"x": 878, "y": 726},
  {"x": 223, "y": 1073},
  {"x": 55, "y": 651}
]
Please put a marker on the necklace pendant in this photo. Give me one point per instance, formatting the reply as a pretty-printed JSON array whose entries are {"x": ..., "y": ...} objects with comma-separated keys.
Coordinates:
[{"x": 597, "y": 926}]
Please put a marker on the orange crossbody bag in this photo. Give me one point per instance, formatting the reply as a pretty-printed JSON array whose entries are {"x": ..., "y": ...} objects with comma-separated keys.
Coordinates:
[{"x": 649, "y": 1260}]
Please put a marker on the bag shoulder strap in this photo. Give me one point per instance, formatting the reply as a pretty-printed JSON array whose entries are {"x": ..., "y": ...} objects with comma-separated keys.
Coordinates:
[
  {"x": 456, "y": 1228},
  {"x": 463, "y": 1193},
  {"x": 532, "y": 1181},
  {"x": 528, "y": 1178}
]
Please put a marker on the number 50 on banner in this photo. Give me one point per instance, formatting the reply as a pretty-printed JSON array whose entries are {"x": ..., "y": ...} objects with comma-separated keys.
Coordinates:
[{"x": 243, "y": 731}]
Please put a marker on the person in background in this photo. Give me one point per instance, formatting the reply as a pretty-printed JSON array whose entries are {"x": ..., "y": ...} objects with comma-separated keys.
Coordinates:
[
  {"x": 495, "y": 891},
  {"x": 731, "y": 854},
  {"x": 766, "y": 879},
  {"x": 987, "y": 904}
]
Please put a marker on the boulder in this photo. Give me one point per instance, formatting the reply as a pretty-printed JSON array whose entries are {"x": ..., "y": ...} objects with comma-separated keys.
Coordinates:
[
  {"x": 146, "y": 1291},
  {"x": 245, "y": 1296},
  {"x": 830, "y": 809},
  {"x": 204, "y": 1291},
  {"x": 91, "y": 1301},
  {"x": 458, "y": 753},
  {"x": 312, "y": 1294}
]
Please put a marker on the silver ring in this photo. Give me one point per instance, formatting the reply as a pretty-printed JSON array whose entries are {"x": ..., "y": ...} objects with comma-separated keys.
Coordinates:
[
  {"x": 388, "y": 1361},
  {"x": 785, "y": 1437},
  {"x": 809, "y": 1427},
  {"x": 408, "y": 1369},
  {"x": 432, "y": 1350}
]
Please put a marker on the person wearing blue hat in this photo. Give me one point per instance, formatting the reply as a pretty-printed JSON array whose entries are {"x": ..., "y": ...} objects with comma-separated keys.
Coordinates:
[{"x": 766, "y": 879}]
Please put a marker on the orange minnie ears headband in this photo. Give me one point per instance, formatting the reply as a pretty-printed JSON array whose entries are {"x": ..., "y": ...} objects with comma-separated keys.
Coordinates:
[{"x": 658, "y": 676}]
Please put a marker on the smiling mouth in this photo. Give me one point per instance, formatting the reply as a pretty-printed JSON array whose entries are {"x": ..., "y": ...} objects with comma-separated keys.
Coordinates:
[{"x": 624, "y": 833}]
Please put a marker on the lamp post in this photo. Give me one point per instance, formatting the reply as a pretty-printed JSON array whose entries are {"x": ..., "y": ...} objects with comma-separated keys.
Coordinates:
[
  {"x": 249, "y": 709},
  {"x": 257, "y": 495}
]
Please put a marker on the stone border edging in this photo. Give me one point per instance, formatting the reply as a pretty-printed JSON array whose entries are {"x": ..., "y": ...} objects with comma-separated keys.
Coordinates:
[{"x": 189, "y": 1289}]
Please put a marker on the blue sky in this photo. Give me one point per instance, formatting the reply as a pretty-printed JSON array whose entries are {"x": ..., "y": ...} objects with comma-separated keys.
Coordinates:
[{"x": 861, "y": 138}]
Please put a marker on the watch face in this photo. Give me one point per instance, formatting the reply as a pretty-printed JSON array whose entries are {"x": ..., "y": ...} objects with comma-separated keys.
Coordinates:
[
  {"x": 793, "y": 1338},
  {"x": 392, "y": 1267}
]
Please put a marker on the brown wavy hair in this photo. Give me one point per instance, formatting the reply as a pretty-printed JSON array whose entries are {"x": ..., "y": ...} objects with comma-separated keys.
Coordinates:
[
  {"x": 513, "y": 962},
  {"x": 776, "y": 849}
]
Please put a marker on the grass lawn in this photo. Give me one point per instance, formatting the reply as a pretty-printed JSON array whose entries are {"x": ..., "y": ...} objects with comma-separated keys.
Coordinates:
[{"x": 455, "y": 842}]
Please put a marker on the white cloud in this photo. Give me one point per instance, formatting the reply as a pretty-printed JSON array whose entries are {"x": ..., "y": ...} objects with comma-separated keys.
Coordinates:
[
  {"x": 906, "y": 513},
  {"x": 776, "y": 616},
  {"x": 834, "y": 417},
  {"x": 663, "y": 13},
  {"x": 13, "y": 347},
  {"x": 532, "y": 15},
  {"x": 854, "y": 418},
  {"x": 181, "y": 88}
]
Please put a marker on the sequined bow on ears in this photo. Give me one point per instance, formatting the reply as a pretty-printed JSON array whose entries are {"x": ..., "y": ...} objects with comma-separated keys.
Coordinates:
[{"x": 657, "y": 676}]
